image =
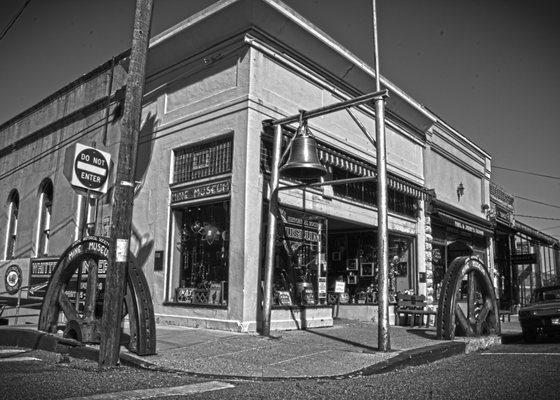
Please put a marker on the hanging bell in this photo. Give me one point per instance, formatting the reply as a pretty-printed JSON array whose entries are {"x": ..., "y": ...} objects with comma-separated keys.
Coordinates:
[{"x": 303, "y": 162}]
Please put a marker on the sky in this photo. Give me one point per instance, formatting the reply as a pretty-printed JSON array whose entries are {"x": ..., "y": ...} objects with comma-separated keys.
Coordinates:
[{"x": 488, "y": 68}]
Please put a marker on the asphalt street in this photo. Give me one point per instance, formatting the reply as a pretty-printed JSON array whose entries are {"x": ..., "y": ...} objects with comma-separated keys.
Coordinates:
[{"x": 512, "y": 371}]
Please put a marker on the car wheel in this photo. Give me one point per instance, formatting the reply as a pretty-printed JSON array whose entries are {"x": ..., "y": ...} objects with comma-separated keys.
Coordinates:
[{"x": 529, "y": 336}]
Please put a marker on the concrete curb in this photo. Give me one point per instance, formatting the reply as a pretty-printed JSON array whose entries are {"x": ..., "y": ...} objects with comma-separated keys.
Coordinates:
[
  {"x": 423, "y": 355},
  {"x": 37, "y": 340}
]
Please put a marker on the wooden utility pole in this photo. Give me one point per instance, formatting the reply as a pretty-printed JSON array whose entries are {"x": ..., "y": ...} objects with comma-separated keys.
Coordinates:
[{"x": 123, "y": 192}]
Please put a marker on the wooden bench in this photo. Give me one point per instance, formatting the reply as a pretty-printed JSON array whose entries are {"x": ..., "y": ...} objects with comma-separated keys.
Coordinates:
[{"x": 413, "y": 308}]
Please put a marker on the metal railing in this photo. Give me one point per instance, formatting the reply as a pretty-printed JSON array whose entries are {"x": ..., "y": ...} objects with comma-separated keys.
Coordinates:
[{"x": 31, "y": 290}]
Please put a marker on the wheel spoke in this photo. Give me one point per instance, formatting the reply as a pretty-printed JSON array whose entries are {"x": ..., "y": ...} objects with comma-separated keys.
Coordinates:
[
  {"x": 91, "y": 291},
  {"x": 482, "y": 315},
  {"x": 67, "y": 307},
  {"x": 463, "y": 321}
]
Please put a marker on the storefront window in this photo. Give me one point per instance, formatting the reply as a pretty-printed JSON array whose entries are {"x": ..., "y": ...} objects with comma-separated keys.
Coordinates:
[
  {"x": 300, "y": 270},
  {"x": 353, "y": 260},
  {"x": 203, "y": 245}
]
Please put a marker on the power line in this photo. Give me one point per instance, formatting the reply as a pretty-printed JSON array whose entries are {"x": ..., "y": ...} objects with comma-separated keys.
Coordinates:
[
  {"x": 14, "y": 19},
  {"x": 79, "y": 134},
  {"x": 536, "y": 201},
  {"x": 550, "y": 227},
  {"x": 527, "y": 172},
  {"x": 534, "y": 216}
]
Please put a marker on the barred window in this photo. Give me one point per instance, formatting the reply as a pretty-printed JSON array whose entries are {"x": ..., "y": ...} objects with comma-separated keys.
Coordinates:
[{"x": 203, "y": 160}]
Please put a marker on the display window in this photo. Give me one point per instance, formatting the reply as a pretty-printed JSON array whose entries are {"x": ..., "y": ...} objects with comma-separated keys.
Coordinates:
[
  {"x": 300, "y": 268},
  {"x": 353, "y": 260},
  {"x": 203, "y": 245}
]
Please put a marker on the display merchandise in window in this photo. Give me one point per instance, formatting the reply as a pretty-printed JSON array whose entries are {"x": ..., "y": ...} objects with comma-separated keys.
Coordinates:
[
  {"x": 203, "y": 246},
  {"x": 353, "y": 260},
  {"x": 300, "y": 269}
]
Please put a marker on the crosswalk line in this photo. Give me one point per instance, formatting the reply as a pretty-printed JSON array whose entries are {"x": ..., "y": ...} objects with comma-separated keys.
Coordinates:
[
  {"x": 18, "y": 359},
  {"x": 141, "y": 394}
]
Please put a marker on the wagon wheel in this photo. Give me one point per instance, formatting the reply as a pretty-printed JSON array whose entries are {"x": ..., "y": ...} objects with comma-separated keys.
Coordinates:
[
  {"x": 84, "y": 322},
  {"x": 481, "y": 307},
  {"x": 83, "y": 311}
]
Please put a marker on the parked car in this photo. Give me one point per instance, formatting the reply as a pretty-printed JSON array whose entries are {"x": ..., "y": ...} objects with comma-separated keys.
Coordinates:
[{"x": 542, "y": 315}]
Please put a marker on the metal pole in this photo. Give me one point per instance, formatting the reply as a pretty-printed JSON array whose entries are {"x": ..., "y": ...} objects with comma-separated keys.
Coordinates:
[
  {"x": 383, "y": 335},
  {"x": 271, "y": 231},
  {"x": 123, "y": 192},
  {"x": 331, "y": 108}
]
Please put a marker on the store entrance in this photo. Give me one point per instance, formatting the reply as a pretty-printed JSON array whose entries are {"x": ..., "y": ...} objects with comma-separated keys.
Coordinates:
[{"x": 352, "y": 259}]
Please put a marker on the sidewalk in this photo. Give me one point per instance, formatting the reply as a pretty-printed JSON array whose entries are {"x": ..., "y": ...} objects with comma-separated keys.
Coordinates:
[{"x": 348, "y": 348}]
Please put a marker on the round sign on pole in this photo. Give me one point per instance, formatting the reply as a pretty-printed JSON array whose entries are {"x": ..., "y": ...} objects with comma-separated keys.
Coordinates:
[
  {"x": 91, "y": 168},
  {"x": 87, "y": 169}
]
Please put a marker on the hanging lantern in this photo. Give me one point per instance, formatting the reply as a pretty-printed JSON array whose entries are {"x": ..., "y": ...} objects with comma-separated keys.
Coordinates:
[{"x": 210, "y": 233}]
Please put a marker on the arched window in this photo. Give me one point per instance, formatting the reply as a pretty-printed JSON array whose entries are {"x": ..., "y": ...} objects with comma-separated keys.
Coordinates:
[
  {"x": 11, "y": 232},
  {"x": 44, "y": 221}
]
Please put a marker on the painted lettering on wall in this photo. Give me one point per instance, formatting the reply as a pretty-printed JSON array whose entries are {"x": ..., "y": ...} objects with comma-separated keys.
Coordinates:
[{"x": 197, "y": 192}]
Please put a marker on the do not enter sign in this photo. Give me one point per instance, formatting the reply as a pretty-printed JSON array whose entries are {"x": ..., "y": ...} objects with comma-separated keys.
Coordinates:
[
  {"x": 91, "y": 168},
  {"x": 87, "y": 168}
]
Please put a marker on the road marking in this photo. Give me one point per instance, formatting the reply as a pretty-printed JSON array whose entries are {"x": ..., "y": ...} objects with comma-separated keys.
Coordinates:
[
  {"x": 18, "y": 359},
  {"x": 9, "y": 352},
  {"x": 141, "y": 394},
  {"x": 521, "y": 354}
]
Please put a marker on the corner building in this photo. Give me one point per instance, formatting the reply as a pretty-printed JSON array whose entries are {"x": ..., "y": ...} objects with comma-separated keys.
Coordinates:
[{"x": 203, "y": 168}]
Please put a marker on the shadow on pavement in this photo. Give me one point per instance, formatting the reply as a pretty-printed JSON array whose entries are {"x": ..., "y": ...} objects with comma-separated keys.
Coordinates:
[
  {"x": 423, "y": 333},
  {"x": 345, "y": 341}
]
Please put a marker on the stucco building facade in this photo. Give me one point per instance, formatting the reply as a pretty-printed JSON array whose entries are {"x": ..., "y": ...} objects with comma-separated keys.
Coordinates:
[{"x": 203, "y": 169}]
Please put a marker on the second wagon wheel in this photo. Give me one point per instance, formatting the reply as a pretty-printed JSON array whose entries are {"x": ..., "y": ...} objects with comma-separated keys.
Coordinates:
[{"x": 476, "y": 315}]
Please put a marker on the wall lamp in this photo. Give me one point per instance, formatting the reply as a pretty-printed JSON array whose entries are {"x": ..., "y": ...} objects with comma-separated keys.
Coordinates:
[{"x": 460, "y": 191}]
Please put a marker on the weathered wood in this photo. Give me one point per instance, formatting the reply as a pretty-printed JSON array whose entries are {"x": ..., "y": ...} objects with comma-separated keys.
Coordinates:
[{"x": 123, "y": 191}]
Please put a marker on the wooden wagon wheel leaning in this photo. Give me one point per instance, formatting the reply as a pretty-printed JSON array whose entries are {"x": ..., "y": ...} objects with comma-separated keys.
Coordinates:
[
  {"x": 83, "y": 312},
  {"x": 481, "y": 306}
]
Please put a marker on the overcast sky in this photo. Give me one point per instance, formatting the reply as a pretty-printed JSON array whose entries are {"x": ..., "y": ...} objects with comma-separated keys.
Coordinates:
[{"x": 489, "y": 68}]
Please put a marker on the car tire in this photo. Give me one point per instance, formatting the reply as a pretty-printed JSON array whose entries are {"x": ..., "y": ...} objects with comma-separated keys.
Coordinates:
[{"x": 529, "y": 336}]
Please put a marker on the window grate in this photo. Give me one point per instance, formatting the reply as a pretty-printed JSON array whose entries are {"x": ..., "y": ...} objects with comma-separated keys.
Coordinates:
[{"x": 203, "y": 160}]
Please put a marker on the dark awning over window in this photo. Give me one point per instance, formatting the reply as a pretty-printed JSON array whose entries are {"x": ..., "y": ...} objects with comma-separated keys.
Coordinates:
[{"x": 336, "y": 159}]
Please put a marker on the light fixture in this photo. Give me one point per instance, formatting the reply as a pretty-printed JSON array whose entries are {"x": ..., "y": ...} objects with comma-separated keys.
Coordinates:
[{"x": 460, "y": 191}]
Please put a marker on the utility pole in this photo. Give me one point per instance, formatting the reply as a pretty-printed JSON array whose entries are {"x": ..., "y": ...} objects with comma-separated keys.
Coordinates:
[
  {"x": 383, "y": 335},
  {"x": 123, "y": 192}
]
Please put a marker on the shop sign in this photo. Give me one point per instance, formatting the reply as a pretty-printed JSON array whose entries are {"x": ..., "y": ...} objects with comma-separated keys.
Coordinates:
[
  {"x": 504, "y": 216},
  {"x": 41, "y": 271},
  {"x": 339, "y": 287},
  {"x": 293, "y": 225},
  {"x": 468, "y": 228},
  {"x": 518, "y": 259},
  {"x": 322, "y": 287},
  {"x": 201, "y": 191},
  {"x": 299, "y": 234}
]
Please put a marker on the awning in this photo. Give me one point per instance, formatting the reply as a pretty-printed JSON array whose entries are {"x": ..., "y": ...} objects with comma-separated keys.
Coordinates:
[
  {"x": 339, "y": 160},
  {"x": 464, "y": 224}
]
